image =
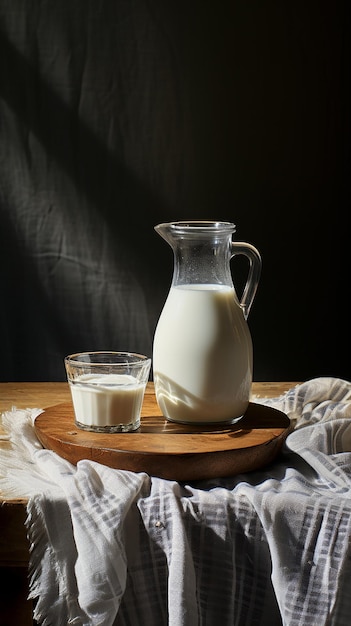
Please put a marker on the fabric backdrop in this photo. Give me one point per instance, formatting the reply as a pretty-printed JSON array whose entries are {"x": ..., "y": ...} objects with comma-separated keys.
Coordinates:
[{"x": 118, "y": 114}]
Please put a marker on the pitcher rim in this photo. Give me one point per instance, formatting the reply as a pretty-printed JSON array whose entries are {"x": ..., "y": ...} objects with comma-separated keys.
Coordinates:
[{"x": 198, "y": 226}]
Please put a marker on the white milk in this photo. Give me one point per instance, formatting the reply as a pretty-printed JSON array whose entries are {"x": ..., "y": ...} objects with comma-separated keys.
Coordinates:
[
  {"x": 202, "y": 356},
  {"x": 107, "y": 401}
]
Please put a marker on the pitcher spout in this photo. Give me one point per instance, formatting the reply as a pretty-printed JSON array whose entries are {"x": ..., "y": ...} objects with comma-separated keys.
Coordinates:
[{"x": 191, "y": 228}]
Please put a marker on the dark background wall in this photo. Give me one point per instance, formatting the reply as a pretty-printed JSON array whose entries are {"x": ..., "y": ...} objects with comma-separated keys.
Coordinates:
[{"x": 118, "y": 114}]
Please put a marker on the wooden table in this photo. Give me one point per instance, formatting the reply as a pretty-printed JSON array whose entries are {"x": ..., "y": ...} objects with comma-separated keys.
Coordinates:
[{"x": 14, "y": 546}]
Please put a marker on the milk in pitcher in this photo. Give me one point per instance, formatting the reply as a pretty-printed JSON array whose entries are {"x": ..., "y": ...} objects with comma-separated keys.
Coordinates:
[{"x": 212, "y": 381}]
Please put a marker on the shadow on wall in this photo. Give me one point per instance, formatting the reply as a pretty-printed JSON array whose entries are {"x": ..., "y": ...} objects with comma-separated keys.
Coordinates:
[{"x": 76, "y": 251}]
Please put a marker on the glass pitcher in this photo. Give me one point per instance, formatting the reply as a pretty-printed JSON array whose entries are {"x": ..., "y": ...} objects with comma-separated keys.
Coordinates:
[{"x": 202, "y": 349}]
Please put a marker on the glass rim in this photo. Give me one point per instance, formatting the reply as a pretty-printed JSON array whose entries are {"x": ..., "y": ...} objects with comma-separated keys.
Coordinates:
[{"x": 130, "y": 358}]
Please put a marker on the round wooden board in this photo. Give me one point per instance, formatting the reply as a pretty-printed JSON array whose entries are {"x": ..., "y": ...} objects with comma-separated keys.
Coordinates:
[{"x": 169, "y": 450}]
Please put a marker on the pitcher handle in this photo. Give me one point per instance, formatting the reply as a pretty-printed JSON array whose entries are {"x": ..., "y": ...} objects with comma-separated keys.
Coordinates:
[{"x": 253, "y": 277}]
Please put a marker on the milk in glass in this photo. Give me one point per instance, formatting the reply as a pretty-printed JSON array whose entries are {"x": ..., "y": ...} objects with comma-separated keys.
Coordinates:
[{"x": 107, "y": 401}]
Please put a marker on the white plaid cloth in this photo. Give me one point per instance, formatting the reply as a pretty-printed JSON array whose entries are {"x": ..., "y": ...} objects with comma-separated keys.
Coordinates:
[{"x": 267, "y": 548}]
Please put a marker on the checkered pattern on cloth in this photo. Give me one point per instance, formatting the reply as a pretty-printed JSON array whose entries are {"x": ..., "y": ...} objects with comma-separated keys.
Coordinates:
[{"x": 270, "y": 548}]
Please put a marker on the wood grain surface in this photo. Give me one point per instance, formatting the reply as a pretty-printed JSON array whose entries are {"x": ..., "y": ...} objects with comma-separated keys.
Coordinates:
[
  {"x": 45, "y": 394},
  {"x": 167, "y": 449}
]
